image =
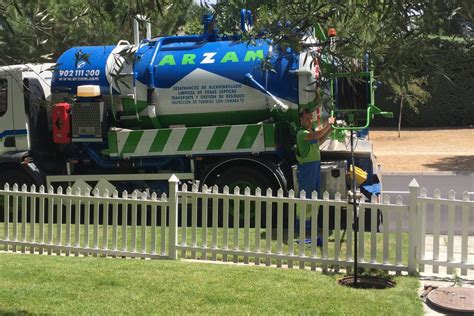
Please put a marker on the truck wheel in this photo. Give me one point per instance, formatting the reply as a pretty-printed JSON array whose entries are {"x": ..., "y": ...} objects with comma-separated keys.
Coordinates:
[
  {"x": 11, "y": 177},
  {"x": 15, "y": 176},
  {"x": 243, "y": 177}
]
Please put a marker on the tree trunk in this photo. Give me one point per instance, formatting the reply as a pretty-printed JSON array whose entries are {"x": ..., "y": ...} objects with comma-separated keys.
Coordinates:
[{"x": 400, "y": 116}]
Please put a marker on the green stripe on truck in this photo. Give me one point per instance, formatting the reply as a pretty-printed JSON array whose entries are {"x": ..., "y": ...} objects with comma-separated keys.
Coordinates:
[
  {"x": 218, "y": 138},
  {"x": 249, "y": 136},
  {"x": 132, "y": 142},
  {"x": 189, "y": 139},
  {"x": 161, "y": 138},
  {"x": 269, "y": 135},
  {"x": 113, "y": 146}
]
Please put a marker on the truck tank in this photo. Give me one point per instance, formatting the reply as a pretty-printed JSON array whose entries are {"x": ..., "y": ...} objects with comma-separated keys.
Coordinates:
[{"x": 189, "y": 80}]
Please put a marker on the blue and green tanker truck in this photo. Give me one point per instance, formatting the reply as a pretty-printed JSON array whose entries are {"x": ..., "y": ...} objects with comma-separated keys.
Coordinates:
[{"x": 201, "y": 107}]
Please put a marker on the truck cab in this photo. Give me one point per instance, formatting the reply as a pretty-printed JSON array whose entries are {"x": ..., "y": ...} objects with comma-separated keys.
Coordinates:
[{"x": 24, "y": 90}]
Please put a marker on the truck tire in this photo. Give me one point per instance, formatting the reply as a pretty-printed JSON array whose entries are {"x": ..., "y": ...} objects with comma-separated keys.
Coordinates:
[
  {"x": 11, "y": 177},
  {"x": 15, "y": 176},
  {"x": 242, "y": 177}
]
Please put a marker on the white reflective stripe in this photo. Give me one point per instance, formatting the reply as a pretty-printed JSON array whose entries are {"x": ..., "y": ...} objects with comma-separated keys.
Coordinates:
[
  {"x": 259, "y": 143},
  {"x": 174, "y": 140},
  {"x": 203, "y": 139},
  {"x": 145, "y": 142},
  {"x": 234, "y": 137}
]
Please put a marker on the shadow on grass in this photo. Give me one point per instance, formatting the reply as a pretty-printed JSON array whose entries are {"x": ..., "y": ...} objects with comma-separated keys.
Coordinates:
[
  {"x": 13, "y": 312},
  {"x": 459, "y": 164}
]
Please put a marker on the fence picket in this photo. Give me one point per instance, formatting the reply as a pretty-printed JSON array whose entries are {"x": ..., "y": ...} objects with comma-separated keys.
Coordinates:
[
  {"x": 215, "y": 205},
  {"x": 436, "y": 229},
  {"x": 236, "y": 214},
  {"x": 173, "y": 217},
  {"x": 41, "y": 218},
  {"x": 225, "y": 220},
  {"x": 6, "y": 204},
  {"x": 451, "y": 216},
  {"x": 50, "y": 217},
  {"x": 59, "y": 224},
  {"x": 464, "y": 232},
  {"x": 302, "y": 229},
  {"x": 24, "y": 221},
  {"x": 96, "y": 194},
  {"x": 314, "y": 228},
  {"x": 349, "y": 234},
  {"x": 412, "y": 229},
  {"x": 258, "y": 224},
  {"x": 184, "y": 218},
  {"x": 279, "y": 227},
  {"x": 361, "y": 239},
  {"x": 163, "y": 211},
  {"x": 291, "y": 226},
  {"x": 77, "y": 221},
  {"x": 124, "y": 220},
  {"x": 247, "y": 223},
  {"x": 422, "y": 227},
  {"x": 194, "y": 220},
  {"x": 373, "y": 230},
  {"x": 143, "y": 223},
  {"x": 325, "y": 228},
  {"x": 87, "y": 220},
  {"x": 15, "y": 216},
  {"x": 133, "y": 239},
  {"x": 68, "y": 203},
  {"x": 105, "y": 221},
  {"x": 205, "y": 209},
  {"x": 33, "y": 218},
  {"x": 154, "y": 210},
  {"x": 337, "y": 230},
  {"x": 115, "y": 220},
  {"x": 386, "y": 243},
  {"x": 268, "y": 227},
  {"x": 398, "y": 229}
]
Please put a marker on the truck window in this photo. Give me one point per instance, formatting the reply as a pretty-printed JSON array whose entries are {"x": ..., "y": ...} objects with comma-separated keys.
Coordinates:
[{"x": 3, "y": 96}]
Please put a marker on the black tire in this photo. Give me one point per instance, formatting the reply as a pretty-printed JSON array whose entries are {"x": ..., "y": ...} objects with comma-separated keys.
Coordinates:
[
  {"x": 11, "y": 177},
  {"x": 239, "y": 176},
  {"x": 15, "y": 176},
  {"x": 243, "y": 176}
]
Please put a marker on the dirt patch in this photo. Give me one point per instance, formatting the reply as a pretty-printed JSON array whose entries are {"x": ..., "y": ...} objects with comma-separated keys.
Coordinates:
[{"x": 425, "y": 149}]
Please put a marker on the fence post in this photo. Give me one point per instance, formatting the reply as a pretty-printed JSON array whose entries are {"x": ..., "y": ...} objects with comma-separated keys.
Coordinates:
[
  {"x": 412, "y": 227},
  {"x": 173, "y": 216}
]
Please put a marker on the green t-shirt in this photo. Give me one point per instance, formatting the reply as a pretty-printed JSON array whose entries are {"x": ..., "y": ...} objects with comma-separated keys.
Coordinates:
[{"x": 306, "y": 150}]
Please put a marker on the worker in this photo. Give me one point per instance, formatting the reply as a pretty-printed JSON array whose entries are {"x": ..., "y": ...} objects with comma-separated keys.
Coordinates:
[{"x": 308, "y": 155}]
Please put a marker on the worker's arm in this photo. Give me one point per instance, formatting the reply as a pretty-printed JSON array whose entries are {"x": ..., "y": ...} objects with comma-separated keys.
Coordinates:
[{"x": 321, "y": 134}]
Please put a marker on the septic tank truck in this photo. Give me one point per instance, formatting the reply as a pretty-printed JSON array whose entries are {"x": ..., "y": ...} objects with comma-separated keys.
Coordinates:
[{"x": 198, "y": 106}]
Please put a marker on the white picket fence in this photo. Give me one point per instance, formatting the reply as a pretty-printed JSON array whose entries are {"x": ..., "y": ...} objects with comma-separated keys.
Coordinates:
[{"x": 213, "y": 224}]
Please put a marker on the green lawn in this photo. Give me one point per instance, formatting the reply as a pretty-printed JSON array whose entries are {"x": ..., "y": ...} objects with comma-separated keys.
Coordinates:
[{"x": 64, "y": 285}]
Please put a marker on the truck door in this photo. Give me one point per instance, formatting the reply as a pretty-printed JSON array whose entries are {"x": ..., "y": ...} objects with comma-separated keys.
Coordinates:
[
  {"x": 7, "y": 131},
  {"x": 13, "y": 129}
]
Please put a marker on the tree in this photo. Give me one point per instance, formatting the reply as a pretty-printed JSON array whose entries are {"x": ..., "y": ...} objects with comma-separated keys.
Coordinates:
[
  {"x": 396, "y": 34},
  {"x": 37, "y": 31}
]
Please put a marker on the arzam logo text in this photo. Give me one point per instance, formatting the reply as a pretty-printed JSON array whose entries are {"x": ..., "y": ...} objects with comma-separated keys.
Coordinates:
[{"x": 210, "y": 58}]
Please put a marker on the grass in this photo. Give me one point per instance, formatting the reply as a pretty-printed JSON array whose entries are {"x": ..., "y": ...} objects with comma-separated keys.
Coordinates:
[{"x": 63, "y": 285}]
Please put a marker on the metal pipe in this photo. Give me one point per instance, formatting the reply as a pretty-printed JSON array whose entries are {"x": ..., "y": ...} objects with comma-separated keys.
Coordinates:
[
  {"x": 136, "y": 32},
  {"x": 148, "y": 29}
]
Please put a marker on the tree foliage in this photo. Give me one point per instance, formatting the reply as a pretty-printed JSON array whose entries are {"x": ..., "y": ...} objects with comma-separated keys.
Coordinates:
[
  {"x": 399, "y": 35},
  {"x": 39, "y": 30}
]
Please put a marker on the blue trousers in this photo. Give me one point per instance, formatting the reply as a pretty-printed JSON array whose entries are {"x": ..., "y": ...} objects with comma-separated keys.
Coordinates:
[
  {"x": 309, "y": 180},
  {"x": 309, "y": 177}
]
